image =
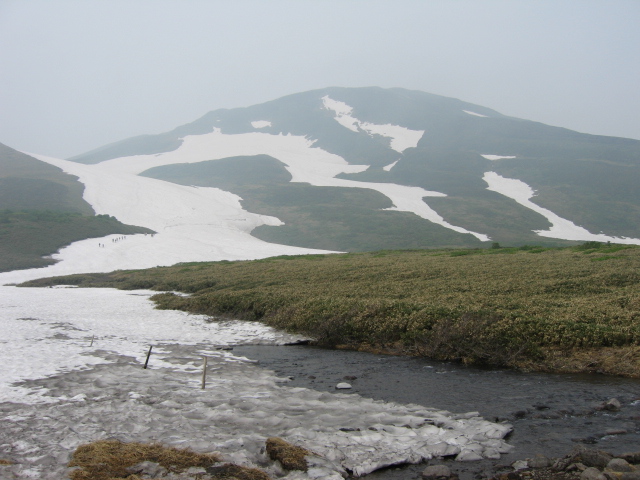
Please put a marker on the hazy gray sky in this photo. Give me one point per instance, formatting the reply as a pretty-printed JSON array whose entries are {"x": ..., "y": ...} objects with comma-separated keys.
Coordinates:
[{"x": 75, "y": 75}]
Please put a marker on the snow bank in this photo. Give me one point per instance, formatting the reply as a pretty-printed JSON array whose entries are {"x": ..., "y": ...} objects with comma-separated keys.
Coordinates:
[
  {"x": 496, "y": 157},
  {"x": 260, "y": 123},
  {"x": 469, "y": 112},
  {"x": 401, "y": 137},
  {"x": 560, "y": 227}
]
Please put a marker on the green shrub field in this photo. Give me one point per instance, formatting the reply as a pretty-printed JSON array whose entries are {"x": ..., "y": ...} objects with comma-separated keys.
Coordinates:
[{"x": 535, "y": 308}]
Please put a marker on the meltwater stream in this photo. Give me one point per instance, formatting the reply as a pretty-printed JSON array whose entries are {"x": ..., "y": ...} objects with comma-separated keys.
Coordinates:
[{"x": 550, "y": 414}]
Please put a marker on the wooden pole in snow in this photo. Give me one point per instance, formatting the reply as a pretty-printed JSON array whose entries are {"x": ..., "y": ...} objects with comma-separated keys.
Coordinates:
[
  {"x": 148, "y": 355},
  {"x": 92, "y": 337},
  {"x": 204, "y": 372}
]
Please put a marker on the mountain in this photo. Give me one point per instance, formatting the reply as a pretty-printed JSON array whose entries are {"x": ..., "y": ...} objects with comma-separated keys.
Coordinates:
[
  {"x": 354, "y": 169},
  {"x": 41, "y": 210}
]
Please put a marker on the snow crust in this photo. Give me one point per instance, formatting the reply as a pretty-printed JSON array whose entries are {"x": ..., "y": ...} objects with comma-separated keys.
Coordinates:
[
  {"x": 401, "y": 137},
  {"x": 474, "y": 113},
  {"x": 496, "y": 157},
  {"x": 560, "y": 227},
  {"x": 260, "y": 123}
]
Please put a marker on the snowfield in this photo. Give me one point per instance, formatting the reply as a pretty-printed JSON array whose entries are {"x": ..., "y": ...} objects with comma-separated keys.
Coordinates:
[
  {"x": 560, "y": 227},
  {"x": 401, "y": 137}
]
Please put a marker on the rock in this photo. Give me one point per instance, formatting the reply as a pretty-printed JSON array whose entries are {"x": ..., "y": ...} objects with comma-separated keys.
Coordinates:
[
  {"x": 343, "y": 386},
  {"x": 612, "y": 405},
  {"x": 436, "y": 471},
  {"x": 616, "y": 431},
  {"x": 350, "y": 378},
  {"x": 619, "y": 465},
  {"x": 592, "y": 473},
  {"x": 588, "y": 456},
  {"x": 520, "y": 465},
  {"x": 630, "y": 476},
  {"x": 539, "y": 461},
  {"x": 631, "y": 457}
]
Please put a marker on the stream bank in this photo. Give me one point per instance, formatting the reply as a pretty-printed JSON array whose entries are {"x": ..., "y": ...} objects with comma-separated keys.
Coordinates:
[{"x": 550, "y": 413}]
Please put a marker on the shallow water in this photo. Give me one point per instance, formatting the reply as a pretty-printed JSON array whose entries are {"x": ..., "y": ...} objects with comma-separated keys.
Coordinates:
[{"x": 550, "y": 413}]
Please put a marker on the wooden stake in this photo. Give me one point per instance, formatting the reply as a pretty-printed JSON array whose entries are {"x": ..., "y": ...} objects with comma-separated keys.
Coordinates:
[
  {"x": 148, "y": 355},
  {"x": 204, "y": 372},
  {"x": 92, "y": 337}
]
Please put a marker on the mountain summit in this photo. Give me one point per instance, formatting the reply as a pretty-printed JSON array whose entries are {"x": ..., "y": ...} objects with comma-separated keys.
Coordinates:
[{"x": 353, "y": 169}]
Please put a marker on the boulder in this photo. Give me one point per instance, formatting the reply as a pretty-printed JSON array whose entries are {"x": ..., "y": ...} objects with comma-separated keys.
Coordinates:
[
  {"x": 619, "y": 465},
  {"x": 539, "y": 461},
  {"x": 587, "y": 456},
  {"x": 592, "y": 473},
  {"x": 436, "y": 472}
]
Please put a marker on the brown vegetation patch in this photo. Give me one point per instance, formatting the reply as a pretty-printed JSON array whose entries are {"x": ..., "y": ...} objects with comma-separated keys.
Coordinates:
[
  {"x": 5, "y": 462},
  {"x": 290, "y": 456},
  {"x": 108, "y": 459}
]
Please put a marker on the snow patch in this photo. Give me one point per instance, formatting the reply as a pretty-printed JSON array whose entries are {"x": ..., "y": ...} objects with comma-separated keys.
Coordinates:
[
  {"x": 474, "y": 113},
  {"x": 390, "y": 166},
  {"x": 496, "y": 157},
  {"x": 260, "y": 123},
  {"x": 401, "y": 137},
  {"x": 560, "y": 227}
]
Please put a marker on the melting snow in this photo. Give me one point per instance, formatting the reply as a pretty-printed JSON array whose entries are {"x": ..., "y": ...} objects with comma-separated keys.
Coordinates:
[
  {"x": 560, "y": 227},
  {"x": 260, "y": 123},
  {"x": 474, "y": 113},
  {"x": 401, "y": 137},
  {"x": 71, "y": 373},
  {"x": 496, "y": 157}
]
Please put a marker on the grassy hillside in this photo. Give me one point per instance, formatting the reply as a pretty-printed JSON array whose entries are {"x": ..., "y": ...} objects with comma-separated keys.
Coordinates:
[
  {"x": 42, "y": 210},
  {"x": 569, "y": 309}
]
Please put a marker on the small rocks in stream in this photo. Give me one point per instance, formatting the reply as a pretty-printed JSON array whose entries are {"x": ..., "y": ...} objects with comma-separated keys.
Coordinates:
[
  {"x": 437, "y": 472},
  {"x": 612, "y": 405}
]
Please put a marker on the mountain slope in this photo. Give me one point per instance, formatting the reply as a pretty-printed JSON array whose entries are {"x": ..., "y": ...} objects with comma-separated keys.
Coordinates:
[
  {"x": 42, "y": 210},
  {"x": 371, "y": 168}
]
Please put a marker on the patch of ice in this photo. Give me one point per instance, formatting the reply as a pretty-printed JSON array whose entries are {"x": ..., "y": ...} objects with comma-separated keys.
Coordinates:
[
  {"x": 401, "y": 137},
  {"x": 390, "y": 166},
  {"x": 260, "y": 123},
  {"x": 560, "y": 227},
  {"x": 474, "y": 113},
  {"x": 496, "y": 157}
]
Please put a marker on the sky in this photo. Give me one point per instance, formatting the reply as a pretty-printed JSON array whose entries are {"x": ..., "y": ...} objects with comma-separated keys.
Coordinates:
[{"x": 76, "y": 75}]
